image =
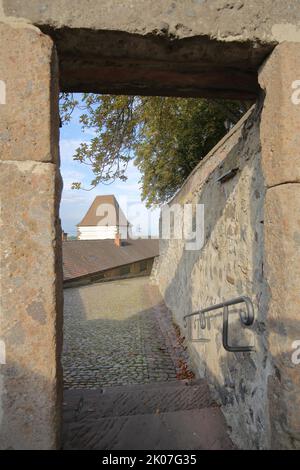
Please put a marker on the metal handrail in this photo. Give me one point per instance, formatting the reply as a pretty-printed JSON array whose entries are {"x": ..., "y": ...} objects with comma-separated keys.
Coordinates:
[{"x": 247, "y": 319}]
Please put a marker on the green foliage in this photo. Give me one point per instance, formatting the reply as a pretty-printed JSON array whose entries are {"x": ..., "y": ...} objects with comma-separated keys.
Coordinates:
[{"x": 166, "y": 137}]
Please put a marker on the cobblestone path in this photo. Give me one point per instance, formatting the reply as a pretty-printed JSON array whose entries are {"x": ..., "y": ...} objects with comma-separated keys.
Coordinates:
[{"x": 118, "y": 333}]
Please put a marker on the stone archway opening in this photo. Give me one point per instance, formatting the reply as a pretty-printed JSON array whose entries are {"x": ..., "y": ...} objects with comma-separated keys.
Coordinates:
[
  {"x": 152, "y": 66},
  {"x": 121, "y": 343}
]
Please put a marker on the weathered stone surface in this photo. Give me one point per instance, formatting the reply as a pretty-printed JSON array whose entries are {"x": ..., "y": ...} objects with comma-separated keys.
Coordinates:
[
  {"x": 29, "y": 121},
  {"x": 282, "y": 273},
  {"x": 231, "y": 21},
  {"x": 280, "y": 139},
  {"x": 30, "y": 305},
  {"x": 185, "y": 48},
  {"x": 162, "y": 416},
  {"x": 280, "y": 123},
  {"x": 252, "y": 238},
  {"x": 229, "y": 265},
  {"x": 151, "y": 48}
]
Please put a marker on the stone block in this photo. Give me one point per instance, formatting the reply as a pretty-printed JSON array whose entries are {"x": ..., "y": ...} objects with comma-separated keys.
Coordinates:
[
  {"x": 30, "y": 305},
  {"x": 280, "y": 123},
  {"x": 236, "y": 21},
  {"x": 282, "y": 273},
  {"x": 29, "y": 121}
]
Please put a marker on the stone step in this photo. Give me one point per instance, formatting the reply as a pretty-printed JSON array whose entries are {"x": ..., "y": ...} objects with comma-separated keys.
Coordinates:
[
  {"x": 192, "y": 429},
  {"x": 136, "y": 400}
]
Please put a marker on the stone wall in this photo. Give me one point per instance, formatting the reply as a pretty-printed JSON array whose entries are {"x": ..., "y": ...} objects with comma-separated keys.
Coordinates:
[
  {"x": 230, "y": 264},
  {"x": 251, "y": 247},
  {"x": 279, "y": 77}
]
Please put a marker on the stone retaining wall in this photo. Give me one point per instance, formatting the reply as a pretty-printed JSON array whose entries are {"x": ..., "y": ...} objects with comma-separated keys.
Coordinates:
[
  {"x": 251, "y": 247},
  {"x": 230, "y": 264}
]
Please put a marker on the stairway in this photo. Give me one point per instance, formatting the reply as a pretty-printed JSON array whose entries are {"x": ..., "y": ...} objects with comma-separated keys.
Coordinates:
[{"x": 158, "y": 416}]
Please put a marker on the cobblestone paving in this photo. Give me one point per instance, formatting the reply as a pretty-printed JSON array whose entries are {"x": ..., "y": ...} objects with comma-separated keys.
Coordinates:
[{"x": 118, "y": 333}]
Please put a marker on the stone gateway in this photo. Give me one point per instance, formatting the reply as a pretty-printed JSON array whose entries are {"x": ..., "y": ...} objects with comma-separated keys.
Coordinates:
[{"x": 246, "y": 50}]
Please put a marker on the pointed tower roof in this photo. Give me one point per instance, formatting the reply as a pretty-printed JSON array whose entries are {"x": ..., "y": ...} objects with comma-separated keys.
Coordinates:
[{"x": 105, "y": 211}]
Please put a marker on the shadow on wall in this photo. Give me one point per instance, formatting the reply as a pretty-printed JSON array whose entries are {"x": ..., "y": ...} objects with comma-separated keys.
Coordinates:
[
  {"x": 230, "y": 264},
  {"x": 35, "y": 424}
]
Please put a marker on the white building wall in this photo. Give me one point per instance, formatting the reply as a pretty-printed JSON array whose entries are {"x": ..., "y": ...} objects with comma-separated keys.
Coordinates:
[{"x": 100, "y": 232}]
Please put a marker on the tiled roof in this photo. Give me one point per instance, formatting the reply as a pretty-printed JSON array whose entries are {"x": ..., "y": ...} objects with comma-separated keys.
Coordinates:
[
  {"x": 83, "y": 257},
  {"x": 105, "y": 210}
]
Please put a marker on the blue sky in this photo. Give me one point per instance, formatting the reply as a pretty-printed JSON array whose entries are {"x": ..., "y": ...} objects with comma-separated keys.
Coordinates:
[{"x": 75, "y": 203}]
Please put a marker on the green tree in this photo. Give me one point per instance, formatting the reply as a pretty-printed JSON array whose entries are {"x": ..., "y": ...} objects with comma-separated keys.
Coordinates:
[{"x": 166, "y": 137}]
